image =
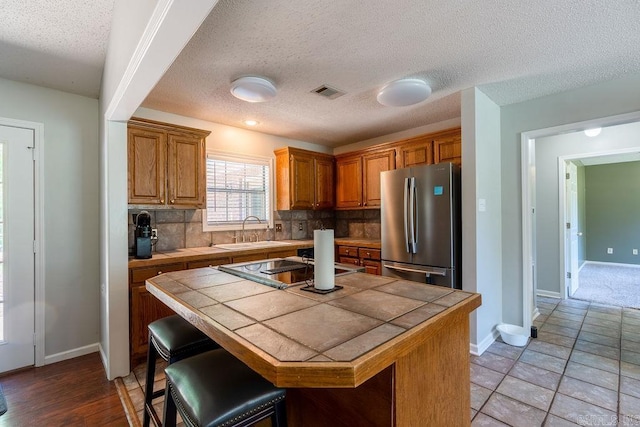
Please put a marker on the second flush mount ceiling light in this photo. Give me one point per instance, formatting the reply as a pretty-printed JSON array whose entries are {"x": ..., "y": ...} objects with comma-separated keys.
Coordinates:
[
  {"x": 253, "y": 89},
  {"x": 404, "y": 92}
]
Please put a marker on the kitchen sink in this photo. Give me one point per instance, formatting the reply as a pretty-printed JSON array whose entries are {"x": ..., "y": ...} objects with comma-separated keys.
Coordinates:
[{"x": 252, "y": 245}]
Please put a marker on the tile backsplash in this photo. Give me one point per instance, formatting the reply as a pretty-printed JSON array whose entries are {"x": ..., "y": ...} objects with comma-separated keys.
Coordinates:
[{"x": 183, "y": 228}]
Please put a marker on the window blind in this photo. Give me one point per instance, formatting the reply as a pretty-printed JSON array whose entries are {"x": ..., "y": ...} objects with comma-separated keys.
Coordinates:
[{"x": 237, "y": 188}]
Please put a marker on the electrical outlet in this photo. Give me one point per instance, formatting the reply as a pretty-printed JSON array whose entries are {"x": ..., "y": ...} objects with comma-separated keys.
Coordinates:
[
  {"x": 154, "y": 234},
  {"x": 609, "y": 250},
  {"x": 279, "y": 227},
  {"x": 635, "y": 252},
  {"x": 300, "y": 226}
]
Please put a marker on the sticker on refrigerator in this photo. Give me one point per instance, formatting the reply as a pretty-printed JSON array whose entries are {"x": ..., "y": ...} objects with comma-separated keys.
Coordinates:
[{"x": 438, "y": 190}]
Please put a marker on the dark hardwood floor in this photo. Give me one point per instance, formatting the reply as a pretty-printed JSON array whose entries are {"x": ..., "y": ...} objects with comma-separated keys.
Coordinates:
[{"x": 74, "y": 392}]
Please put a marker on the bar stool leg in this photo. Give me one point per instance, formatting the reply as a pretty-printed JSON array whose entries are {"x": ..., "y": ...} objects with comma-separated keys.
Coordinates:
[
  {"x": 170, "y": 415},
  {"x": 279, "y": 418},
  {"x": 152, "y": 354}
]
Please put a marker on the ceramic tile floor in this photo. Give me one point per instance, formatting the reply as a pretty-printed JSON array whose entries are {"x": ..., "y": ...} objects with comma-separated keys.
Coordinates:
[
  {"x": 583, "y": 369},
  {"x": 134, "y": 383}
]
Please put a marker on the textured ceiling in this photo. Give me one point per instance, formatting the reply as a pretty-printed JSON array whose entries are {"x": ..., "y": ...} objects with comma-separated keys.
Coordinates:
[
  {"x": 60, "y": 44},
  {"x": 513, "y": 51}
]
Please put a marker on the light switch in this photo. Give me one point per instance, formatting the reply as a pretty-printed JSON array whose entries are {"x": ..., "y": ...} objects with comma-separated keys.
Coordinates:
[{"x": 482, "y": 205}]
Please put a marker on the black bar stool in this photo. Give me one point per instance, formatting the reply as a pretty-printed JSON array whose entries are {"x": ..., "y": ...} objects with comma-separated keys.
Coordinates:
[
  {"x": 173, "y": 339},
  {"x": 216, "y": 389}
]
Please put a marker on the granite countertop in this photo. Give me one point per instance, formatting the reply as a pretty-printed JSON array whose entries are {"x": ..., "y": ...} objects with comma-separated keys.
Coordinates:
[
  {"x": 343, "y": 334},
  {"x": 211, "y": 252}
]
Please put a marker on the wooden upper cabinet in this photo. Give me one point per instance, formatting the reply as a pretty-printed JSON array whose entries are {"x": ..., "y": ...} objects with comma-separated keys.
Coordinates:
[
  {"x": 358, "y": 178},
  {"x": 304, "y": 179},
  {"x": 349, "y": 182},
  {"x": 186, "y": 183},
  {"x": 448, "y": 148},
  {"x": 414, "y": 152},
  {"x": 372, "y": 164},
  {"x": 166, "y": 165},
  {"x": 325, "y": 182},
  {"x": 147, "y": 165}
]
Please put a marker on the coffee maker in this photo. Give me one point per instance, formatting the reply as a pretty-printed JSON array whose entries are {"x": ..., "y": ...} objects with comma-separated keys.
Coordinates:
[{"x": 142, "y": 236}]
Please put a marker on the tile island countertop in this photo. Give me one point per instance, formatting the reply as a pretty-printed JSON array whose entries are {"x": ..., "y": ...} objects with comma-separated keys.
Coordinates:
[{"x": 384, "y": 350}]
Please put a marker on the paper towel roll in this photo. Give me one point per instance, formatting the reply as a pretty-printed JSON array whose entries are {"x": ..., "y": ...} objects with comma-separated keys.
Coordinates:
[{"x": 323, "y": 257}]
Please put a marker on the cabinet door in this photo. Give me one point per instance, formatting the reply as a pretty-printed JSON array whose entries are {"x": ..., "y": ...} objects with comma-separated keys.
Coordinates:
[
  {"x": 372, "y": 267},
  {"x": 373, "y": 164},
  {"x": 448, "y": 149},
  {"x": 325, "y": 189},
  {"x": 302, "y": 180},
  {"x": 349, "y": 182},
  {"x": 145, "y": 308},
  {"x": 186, "y": 171},
  {"x": 415, "y": 153},
  {"x": 146, "y": 152}
]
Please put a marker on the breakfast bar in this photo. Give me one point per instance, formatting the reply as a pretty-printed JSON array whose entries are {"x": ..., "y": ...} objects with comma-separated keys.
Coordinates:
[{"x": 379, "y": 351}]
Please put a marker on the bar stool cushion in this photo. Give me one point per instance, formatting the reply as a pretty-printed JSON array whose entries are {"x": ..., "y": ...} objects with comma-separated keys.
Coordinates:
[
  {"x": 215, "y": 388},
  {"x": 174, "y": 337}
]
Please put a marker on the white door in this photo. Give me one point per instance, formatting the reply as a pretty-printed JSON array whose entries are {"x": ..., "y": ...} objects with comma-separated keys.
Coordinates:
[
  {"x": 572, "y": 233},
  {"x": 17, "y": 262}
]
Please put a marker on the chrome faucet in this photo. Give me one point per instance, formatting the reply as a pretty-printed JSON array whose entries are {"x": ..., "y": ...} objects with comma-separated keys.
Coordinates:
[{"x": 244, "y": 221}]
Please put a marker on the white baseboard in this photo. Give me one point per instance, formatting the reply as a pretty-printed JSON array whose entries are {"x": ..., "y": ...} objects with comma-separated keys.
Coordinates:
[
  {"x": 478, "y": 349},
  {"x": 535, "y": 314},
  {"x": 70, "y": 354},
  {"x": 548, "y": 294},
  {"x": 617, "y": 264}
]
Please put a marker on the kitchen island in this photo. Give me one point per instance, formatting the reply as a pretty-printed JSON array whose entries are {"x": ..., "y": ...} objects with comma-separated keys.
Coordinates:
[{"x": 379, "y": 351}]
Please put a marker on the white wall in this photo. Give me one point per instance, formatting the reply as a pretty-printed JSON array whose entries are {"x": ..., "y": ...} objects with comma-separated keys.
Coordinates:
[
  {"x": 481, "y": 231},
  {"x": 602, "y": 100},
  {"x": 548, "y": 150},
  {"x": 71, "y": 215},
  {"x": 144, "y": 41}
]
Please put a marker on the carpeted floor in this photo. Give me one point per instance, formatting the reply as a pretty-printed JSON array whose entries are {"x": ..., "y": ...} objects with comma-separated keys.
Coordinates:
[{"x": 609, "y": 284}]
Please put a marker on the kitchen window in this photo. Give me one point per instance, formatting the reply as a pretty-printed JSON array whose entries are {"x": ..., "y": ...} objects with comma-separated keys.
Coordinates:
[{"x": 237, "y": 187}]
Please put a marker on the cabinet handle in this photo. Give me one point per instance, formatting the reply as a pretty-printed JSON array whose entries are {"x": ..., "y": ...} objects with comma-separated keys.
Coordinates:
[
  {"x": 173, "y": 201},
  {"x": 159, "y": 272},
  {"x": 369, "y": 254},
  {"x": 359, "y": 204},
  {"x": 161, "y": 200},
  {"x": 365, "y": 203}
]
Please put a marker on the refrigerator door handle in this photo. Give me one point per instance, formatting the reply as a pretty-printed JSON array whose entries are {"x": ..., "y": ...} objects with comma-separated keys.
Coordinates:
[
  {"x": 437, "y": 272},
  {"x": 406, "y": 214},
  {"x": 412, "y": 215}
]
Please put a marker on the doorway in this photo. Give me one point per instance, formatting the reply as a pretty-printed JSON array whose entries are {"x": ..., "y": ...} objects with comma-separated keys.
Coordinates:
[
  {"x": 20, "y": 256},
  {"x": 553, "y": 277},
  {"x": 607, "y": 227}
]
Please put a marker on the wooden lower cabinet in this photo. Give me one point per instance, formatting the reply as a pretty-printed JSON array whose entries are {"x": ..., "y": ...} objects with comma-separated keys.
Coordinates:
[
  {"x": 144, "y": 308},
  {"x": 366, "y": 257}
]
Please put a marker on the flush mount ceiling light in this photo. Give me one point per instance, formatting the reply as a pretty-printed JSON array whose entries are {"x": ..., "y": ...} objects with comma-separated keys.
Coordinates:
[
  {"x": 401, "y": 93},
  {"x": 593, "y": 132},
  {"x": 253, "y": 89},
  {"x": 251, "y": 122}
]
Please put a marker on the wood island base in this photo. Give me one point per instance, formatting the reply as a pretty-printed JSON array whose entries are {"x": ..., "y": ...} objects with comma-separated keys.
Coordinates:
[{"x": 429, "y": 386}]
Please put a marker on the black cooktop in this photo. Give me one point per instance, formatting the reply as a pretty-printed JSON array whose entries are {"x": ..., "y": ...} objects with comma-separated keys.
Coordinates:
[{"x": 277, "y": 271}]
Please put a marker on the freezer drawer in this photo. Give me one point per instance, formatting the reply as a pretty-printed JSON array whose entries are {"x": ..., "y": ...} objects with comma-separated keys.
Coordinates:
[{"x": 431, "y": 275}]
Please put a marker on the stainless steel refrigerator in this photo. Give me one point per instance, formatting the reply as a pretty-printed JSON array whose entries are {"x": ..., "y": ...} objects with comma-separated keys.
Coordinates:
[{"x": 420, "y": 224}]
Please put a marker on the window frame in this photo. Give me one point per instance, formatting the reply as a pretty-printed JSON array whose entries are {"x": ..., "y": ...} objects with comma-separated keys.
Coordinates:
[{"x": 242, "y": 158}]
